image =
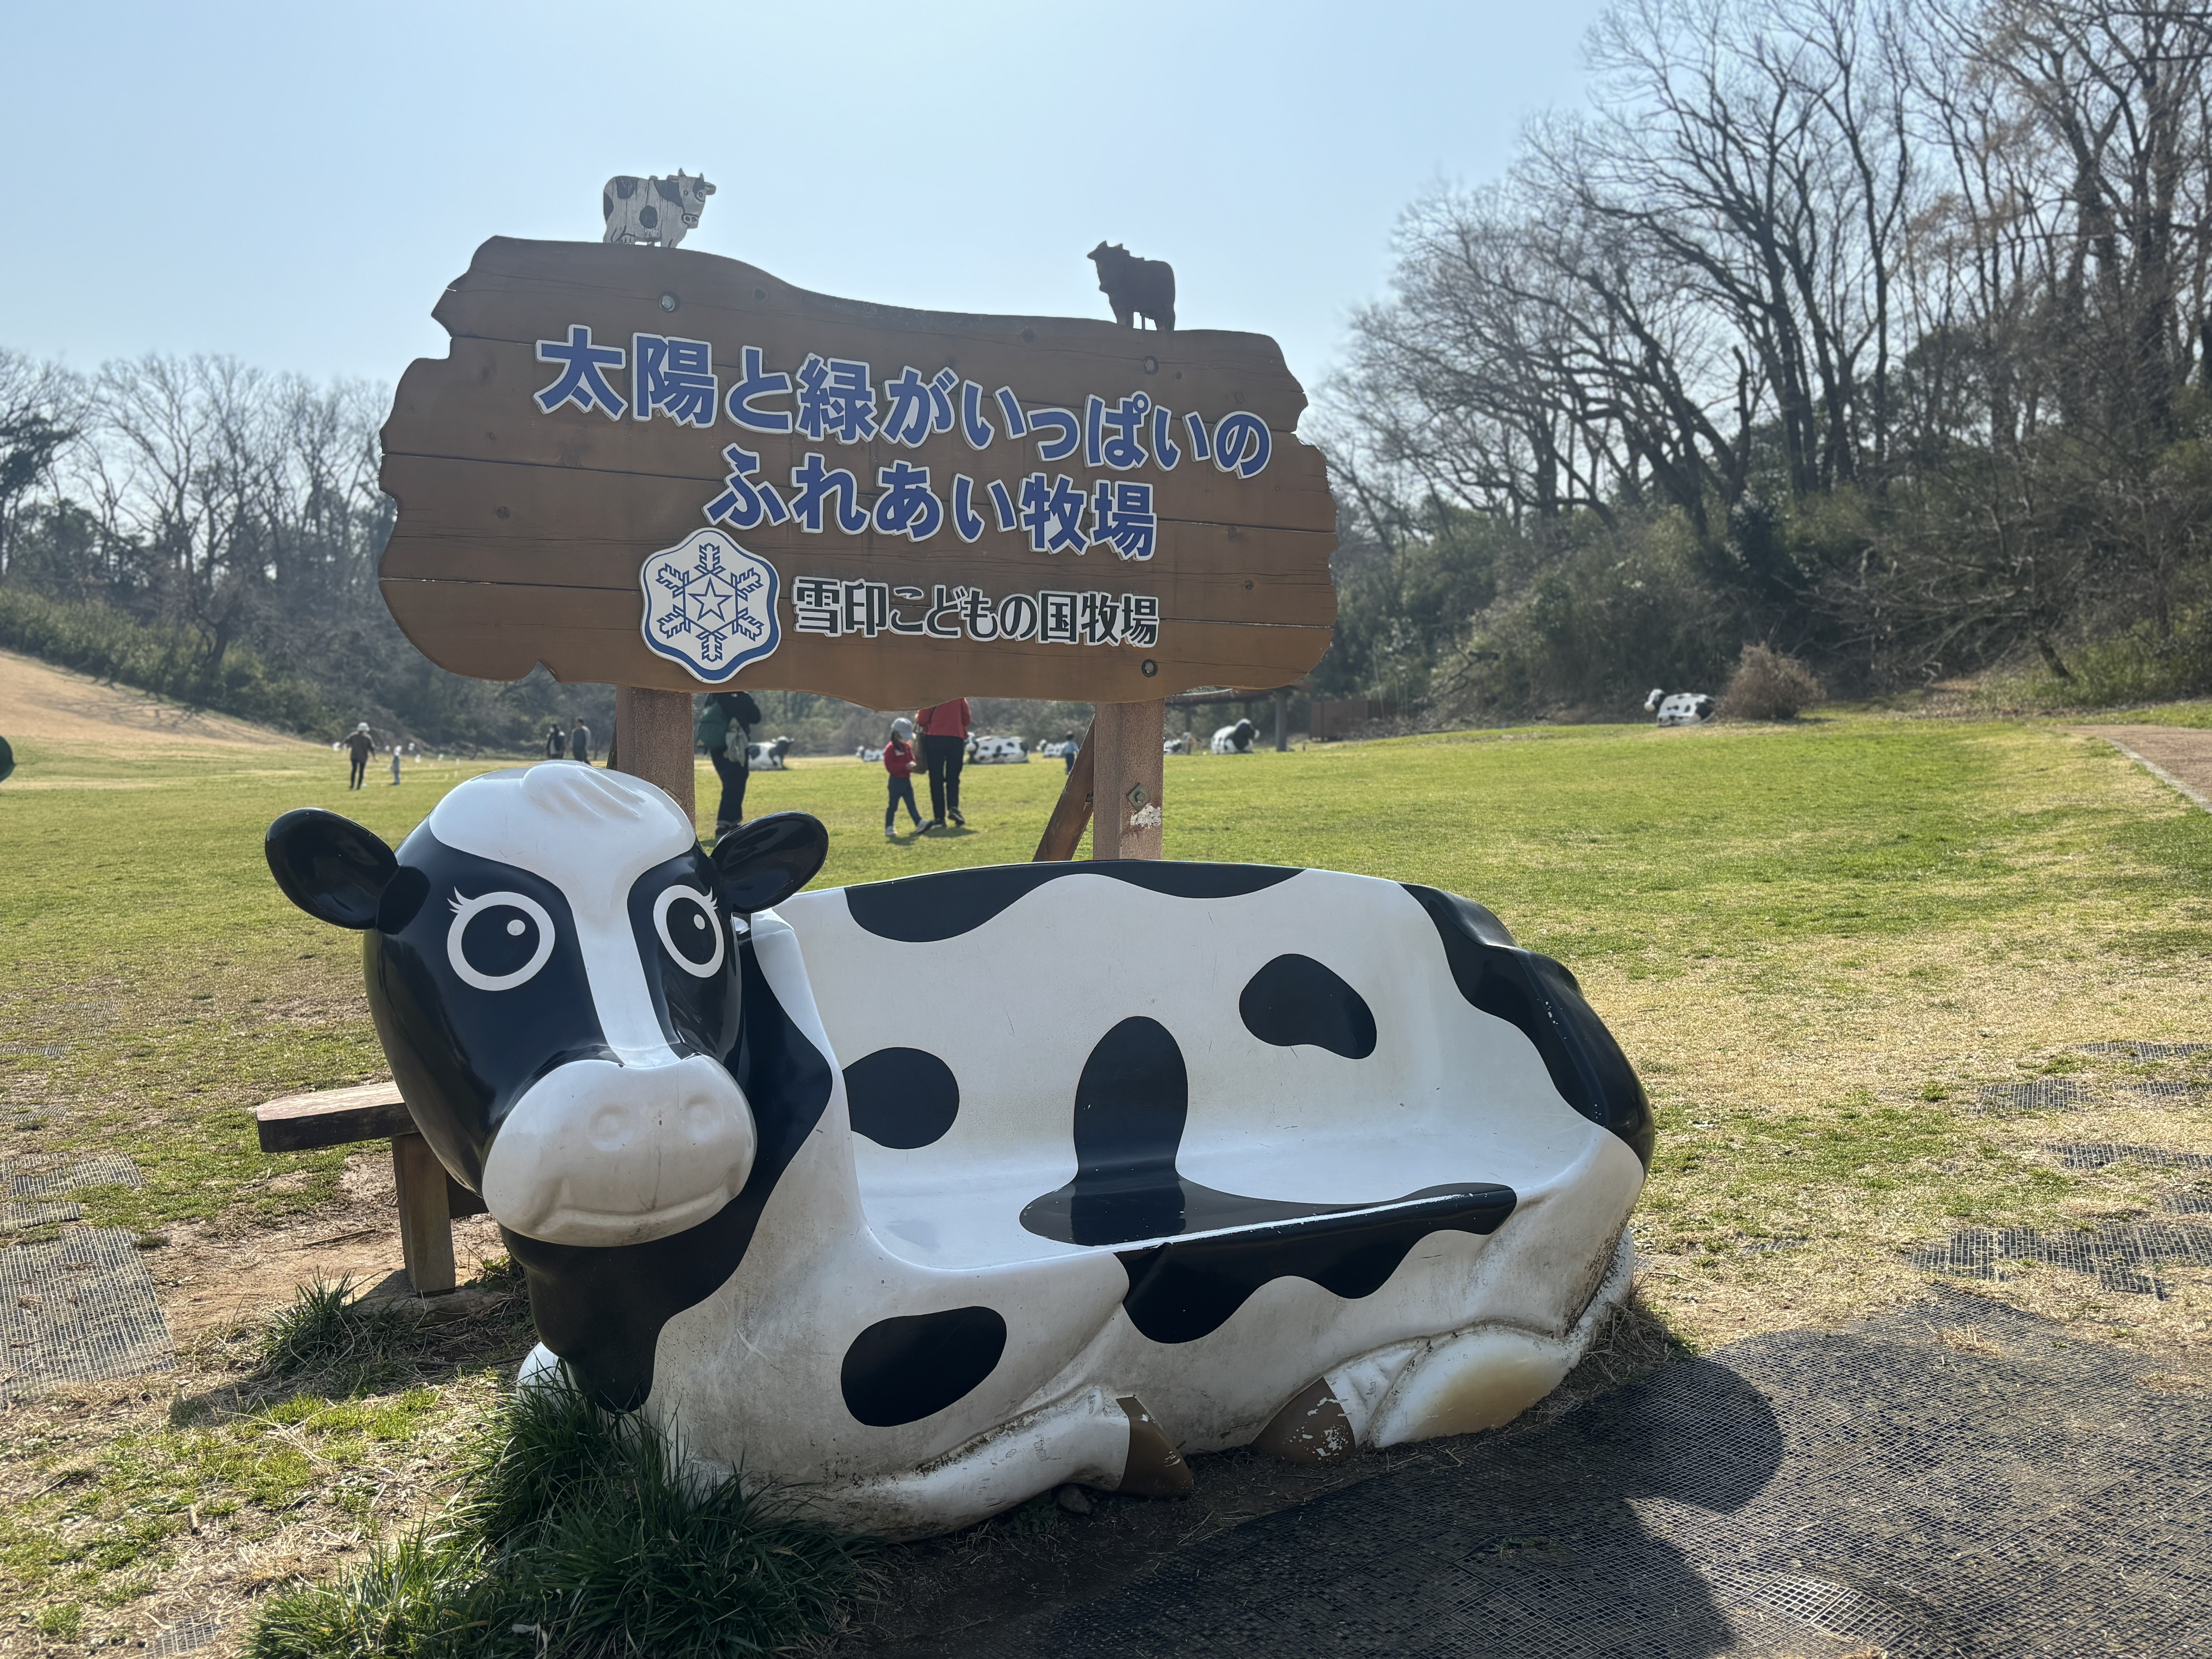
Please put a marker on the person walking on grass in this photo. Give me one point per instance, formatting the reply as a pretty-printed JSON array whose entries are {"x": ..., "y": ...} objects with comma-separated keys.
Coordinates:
[
  {"x": 945, "y": 727},
  {"x": 579, "y": 742},
  {"x": 360, "y": 746},
  {"x": 898, "y": 760},
  {"x": 557, "y": 741},
  {"x": 724, "y": 731}
]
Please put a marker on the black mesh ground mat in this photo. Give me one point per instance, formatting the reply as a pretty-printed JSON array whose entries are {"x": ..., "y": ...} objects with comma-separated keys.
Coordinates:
[
  {"x": 2102, "y": 1154},
  {"x": 76, "y": 1309},
  {"x": 2145, "y": 1050},
  {"x": 1953, "y": 1480},
  {"x": 19, "y": 1218},
  {"x": 2119, "y": 1255},
  {"x": 2042, "y": 1094}
]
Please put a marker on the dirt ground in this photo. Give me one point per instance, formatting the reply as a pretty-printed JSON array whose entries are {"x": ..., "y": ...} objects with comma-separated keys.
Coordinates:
[
  {"x": 43, "y": 704},
  {"x": 2182, "y": 753}
]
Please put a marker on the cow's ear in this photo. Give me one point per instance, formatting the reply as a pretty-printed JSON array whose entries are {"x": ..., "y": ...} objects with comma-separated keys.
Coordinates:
[
  {"x": 770, "y": 859},
  {"x": 330, "y": 866}
]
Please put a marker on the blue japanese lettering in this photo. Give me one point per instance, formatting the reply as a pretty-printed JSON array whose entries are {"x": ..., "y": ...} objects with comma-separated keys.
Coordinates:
[
  {"x": 816, "y": 485},
  {"x": 1195, "y": 425},
  {"x": 836, "y": 399},
  {"x": 1124, "y": 445},
  {"x": 1165, "y": 451},
  {"x": 581, "y": 381},
  {"x": 973, "y": 425},
  {"x": 1062, "y": 421},
  {"x": 1094, "y": 413},
  {"x": 1052, "y": 512},
  {"x": 748, "y": 502},
  {"x": 966, "y": 520},
  {"x": 906, "y": 420},
  {"x": 673, "y": 377},
  {"x": 1241, "y": 444},
  {"x": 906, "y": 507},
  {"x": 1002, "y": 504},
  {"x": 1011, "y": 407},
  {"x": 753, "y": 383},
  {"x": 1124, "y": 514}
]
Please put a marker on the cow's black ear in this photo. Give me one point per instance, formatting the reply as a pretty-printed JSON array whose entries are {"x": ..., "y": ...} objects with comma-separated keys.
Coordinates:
[
  {"x": 330, "y": 866},
  {"x": 770, "y": 859}
]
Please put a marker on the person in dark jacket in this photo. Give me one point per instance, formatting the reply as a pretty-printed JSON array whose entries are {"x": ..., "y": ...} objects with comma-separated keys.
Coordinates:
[
  {"x": 579, "y": 742},
  {"x": 724, "y": 731},
  {"x": 557, "y": 741},
  {"x": 945, "y": 727},
  {"x": 360, "y": 745}
]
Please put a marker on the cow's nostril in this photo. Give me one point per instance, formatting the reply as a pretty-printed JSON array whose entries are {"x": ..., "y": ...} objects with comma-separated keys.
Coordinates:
[
  {"x": 610, "y": 1130},
  {"x": 702, "y": 1121}
]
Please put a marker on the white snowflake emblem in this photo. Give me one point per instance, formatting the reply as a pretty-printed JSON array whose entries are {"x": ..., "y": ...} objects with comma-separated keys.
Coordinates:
[{"x": 710, "y": 606}]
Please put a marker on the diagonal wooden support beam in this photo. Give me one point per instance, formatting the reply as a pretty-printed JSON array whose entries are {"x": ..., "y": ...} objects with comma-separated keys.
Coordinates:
[{"x": 1063, "y": 831}]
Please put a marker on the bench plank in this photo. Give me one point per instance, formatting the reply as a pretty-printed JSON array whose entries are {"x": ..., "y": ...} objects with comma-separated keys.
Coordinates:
[{"x": 333, "y": 1117}]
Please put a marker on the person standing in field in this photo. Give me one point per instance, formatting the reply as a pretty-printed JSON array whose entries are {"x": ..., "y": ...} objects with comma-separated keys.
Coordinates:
[
  {"x": 360, "y": 746},
  {"x": 898, "y": 760},
  {"x": 945, "y": 727},
  {"x": 557, "y": 742},
  {"x": 725, "y": 731},
  {"x": 579, "y": 742}
]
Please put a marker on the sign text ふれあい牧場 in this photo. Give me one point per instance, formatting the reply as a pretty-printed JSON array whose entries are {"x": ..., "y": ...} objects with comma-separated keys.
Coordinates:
[{"x": 885, "y": 504}]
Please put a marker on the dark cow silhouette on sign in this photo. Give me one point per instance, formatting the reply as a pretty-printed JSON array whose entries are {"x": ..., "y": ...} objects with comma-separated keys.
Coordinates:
[
  {"x": 1344, "y": 1155},
  {"x": 652, "y": 209},
  {"x": 1136, "y": 288}
]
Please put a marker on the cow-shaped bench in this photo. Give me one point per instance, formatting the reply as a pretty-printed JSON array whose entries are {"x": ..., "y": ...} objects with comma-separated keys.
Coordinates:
[{"x": 1311, "y": 1160}]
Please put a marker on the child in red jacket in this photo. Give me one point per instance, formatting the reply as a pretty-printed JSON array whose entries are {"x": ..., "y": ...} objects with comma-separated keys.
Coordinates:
[{"x": 898, "y": 760}]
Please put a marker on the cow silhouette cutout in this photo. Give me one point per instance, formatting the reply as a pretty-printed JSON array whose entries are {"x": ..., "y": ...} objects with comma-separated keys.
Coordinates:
[
  {"x": 1136, "y": 288},
  {"x": 652, "y": 209},
  {"x": 1341, "y": 1166}
]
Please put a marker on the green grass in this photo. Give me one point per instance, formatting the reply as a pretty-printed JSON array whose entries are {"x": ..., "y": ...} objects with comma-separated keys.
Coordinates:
[{"x": 1819, "y": 943}]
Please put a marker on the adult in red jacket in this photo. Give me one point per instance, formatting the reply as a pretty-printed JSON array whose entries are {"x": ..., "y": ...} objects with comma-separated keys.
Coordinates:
[{"x": 945, "y": 727}]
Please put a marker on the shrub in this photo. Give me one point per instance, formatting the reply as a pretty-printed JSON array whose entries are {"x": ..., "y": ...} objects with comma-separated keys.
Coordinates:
[
  {"x": 1768, "y": 686},
  {"x": 580, "y": 1533}
]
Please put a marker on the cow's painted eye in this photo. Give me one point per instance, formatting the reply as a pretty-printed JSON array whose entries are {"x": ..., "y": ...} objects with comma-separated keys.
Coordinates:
[
  {"x": 498, "y": 941},
  {"x": 684, "y": 918}
]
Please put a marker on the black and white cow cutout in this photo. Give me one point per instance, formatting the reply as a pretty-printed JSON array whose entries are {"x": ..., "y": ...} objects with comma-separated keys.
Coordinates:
[{"x": 1338, "y": 1165}]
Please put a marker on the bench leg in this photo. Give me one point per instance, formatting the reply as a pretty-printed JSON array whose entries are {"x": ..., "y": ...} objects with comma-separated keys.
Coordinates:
[{"x": 426, "y": 1226}]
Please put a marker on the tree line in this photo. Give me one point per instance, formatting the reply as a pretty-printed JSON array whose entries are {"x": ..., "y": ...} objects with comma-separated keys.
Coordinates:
[{"x": 1874, "y": 332}]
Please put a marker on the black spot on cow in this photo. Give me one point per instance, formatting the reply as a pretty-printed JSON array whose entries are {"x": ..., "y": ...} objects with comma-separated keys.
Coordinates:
[
  {"x": 649, "y": 217},
  {"x": 667, "y": 190},
  {"x": 601, "y": 1309},
  {"x": 1295, "y": 1000},
  {"x": 1186, "y": 1289},
  {"x": 902, "y": 1097},
  {"x": 925, "y": 909},
  {"x": 1541, "y": 998},
  {"x": 1131, "y": 1104},
  {"x": 626, "y": 186},
  {"x": 901, "y": 1371},
  {"x": 606, "y": 205}
]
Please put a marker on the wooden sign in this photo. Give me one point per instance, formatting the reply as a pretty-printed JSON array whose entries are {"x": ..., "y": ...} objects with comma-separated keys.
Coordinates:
[{"x": 658, "y": 468}]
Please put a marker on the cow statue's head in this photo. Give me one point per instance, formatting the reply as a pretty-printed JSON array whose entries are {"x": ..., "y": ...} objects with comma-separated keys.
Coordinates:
[
  {"x": 553, "y": 968},
  {"x": 695, "y": 193}
]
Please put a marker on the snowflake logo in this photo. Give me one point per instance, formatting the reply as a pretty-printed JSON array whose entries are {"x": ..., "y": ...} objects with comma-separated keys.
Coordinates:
[{"x": 710, "y": 605}]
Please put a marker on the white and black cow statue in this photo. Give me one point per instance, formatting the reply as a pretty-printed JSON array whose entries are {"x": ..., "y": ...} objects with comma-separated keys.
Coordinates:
[
  {"x": 768, "y": 755},
  {"x": 1336, "y": 1165},
  {"x": 997, "y": 751},
  {"x": 652, "y": 209},
  {"x": 1235, "y": 739},
  {"x": 1682, "y": 708}
]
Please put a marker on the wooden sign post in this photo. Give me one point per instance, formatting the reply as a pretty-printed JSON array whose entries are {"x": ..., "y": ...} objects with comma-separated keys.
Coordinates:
[{"x": 674, "y": 473}]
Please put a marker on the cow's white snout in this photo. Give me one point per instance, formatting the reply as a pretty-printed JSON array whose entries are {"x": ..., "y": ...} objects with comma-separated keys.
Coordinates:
[{"x": 600, "y": 1153}]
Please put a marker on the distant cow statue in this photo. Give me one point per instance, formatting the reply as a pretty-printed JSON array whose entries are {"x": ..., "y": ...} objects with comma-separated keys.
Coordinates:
[
  {"x": 1682, "y": 708},
  {"x": 1135, "y": 287},
  {"x": 1344, "y": 1167},
  {"x": 1235, "y": 739},
  {"x": 652, "y": 209}
]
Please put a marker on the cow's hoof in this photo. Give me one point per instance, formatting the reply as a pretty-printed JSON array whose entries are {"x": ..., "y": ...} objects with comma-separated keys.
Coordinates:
[
  {"x": 1312, "y": 1429},
  {"x": 1155, "y": 1468}
]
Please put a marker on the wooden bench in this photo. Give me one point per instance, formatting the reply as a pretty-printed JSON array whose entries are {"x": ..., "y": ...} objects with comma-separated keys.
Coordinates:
[{"x": 429, "y": 1199}]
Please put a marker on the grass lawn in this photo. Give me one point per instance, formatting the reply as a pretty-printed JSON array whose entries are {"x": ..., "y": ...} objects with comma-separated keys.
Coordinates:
[{"x": 1819, "y": 945}]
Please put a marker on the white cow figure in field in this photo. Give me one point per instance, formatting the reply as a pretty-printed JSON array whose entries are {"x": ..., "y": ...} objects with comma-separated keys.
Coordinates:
[
  {"x": 768, "y": 755},
  {"x": 1181, "y": 745},
  {"x": 652, "y": 209},
  {"x": 1235, "y": 739},
  {"x": 1682, "y": 709},
  {"x": 1342, "y": 1167},
  {"x": 997, "y": 751}
]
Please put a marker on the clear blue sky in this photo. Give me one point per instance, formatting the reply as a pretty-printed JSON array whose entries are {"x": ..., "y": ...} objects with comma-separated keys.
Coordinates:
[{"x": 294, "y": 184}]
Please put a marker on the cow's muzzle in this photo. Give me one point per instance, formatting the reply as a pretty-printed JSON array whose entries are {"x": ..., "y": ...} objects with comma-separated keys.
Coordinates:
[{"x": 601, "y": 1154}]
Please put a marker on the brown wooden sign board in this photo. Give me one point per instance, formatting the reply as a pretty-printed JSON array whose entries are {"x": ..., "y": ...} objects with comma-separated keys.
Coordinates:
[{"x": 531, "y": 506}]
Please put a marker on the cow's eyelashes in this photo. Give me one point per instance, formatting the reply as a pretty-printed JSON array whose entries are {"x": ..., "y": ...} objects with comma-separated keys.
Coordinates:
[
  {"x": 690, "y": 931},
  {"x": 499, "y": 940}
]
